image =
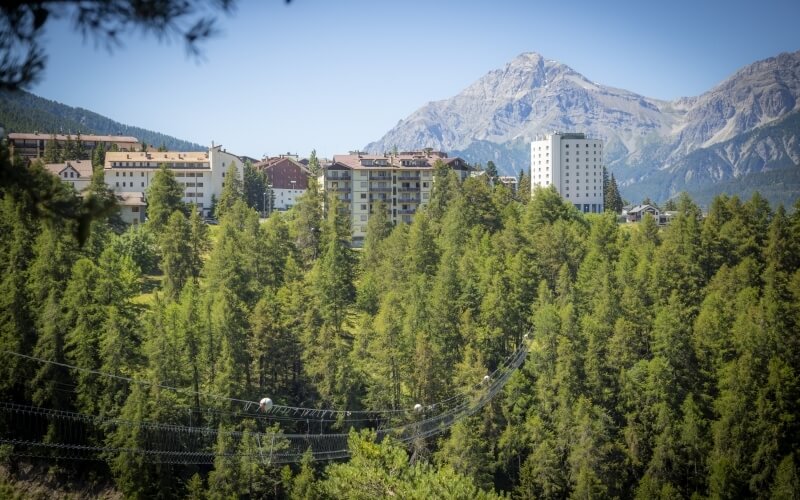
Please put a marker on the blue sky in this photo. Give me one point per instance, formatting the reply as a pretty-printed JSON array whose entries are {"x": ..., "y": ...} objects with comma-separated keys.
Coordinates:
[{"x": 335, "y": 75}]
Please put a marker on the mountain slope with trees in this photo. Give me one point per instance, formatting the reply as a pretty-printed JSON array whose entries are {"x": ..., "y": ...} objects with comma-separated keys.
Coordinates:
[{"x": 22, "y": 111}]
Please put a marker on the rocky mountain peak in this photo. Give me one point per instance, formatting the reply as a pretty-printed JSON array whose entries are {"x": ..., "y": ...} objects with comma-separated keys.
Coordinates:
[{"x": 499, "y": 113}]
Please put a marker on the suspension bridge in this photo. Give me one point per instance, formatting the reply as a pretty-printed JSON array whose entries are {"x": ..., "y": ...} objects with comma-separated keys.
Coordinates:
[{"x": 33, "y": 431}]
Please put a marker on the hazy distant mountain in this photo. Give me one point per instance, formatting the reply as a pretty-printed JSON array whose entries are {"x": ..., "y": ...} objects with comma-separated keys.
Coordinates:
[
  {"x": 740, "y": 128},
  {"x": 25, "y": 112}
]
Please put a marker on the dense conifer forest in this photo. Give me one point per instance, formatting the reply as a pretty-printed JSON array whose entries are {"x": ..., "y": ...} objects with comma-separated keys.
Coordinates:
[{"x": 662, "y": 361}]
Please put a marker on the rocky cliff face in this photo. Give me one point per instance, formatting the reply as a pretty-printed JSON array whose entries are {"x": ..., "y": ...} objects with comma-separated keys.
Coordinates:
[{"x": 496, "y": 116}]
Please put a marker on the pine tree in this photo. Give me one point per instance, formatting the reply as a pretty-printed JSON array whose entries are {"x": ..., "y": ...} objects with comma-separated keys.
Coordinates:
[
  {"x": 50, "y": 378},
  {"x": 303, "y": 484},
  {"x": 313, "y": 164},
  {"x": 232, "y": 191},
  {"x": 306, "y": 224},
  {"x": 84, "y": 318},
  {"x": 523, "y": 187},
  {"x": 80, "y": 148},
  {"x": 99, "y": 155},
  {"x": 69, "y": 152},
  {"x": 199, "y": 243},
  {"x": 235, "y": 261},
  {"x": 336, "y": 268},
  {"x": 163, "y": 197},
  {"x": 178, "y": 262},
  {"x": 17, "y": 333},
  {"x": 611, "y": 197},
  {"x": 52, "y": 153},
  {"x": 254, "y": 185},
  {"x": 390, "y": 354},
  {"x": 491, "y": 173},
  {"x": 445, "y": 188},
  {"x": 378, "y": 228}
]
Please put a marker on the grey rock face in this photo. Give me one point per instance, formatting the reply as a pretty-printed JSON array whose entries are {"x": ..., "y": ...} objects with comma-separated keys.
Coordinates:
[{"x": 532, "y": 95}]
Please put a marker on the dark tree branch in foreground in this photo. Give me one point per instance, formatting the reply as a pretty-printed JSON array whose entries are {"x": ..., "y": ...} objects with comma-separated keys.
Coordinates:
[{"x": 22, "y": 58}]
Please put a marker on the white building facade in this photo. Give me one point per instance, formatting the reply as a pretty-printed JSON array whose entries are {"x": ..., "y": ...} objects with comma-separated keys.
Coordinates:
[
  {"x": 201, "y": 174},
  {"x": 573, "y": 164}
]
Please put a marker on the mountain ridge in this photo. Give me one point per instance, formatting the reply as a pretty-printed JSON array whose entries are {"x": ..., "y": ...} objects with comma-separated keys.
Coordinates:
[{"x": 531, "y": 95}]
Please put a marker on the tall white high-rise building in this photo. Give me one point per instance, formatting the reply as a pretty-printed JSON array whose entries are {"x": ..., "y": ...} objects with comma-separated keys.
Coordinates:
[{"x": 572, "y": 164}]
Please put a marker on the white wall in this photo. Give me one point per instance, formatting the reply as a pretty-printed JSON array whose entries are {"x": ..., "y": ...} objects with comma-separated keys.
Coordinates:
[{"x": 573, "y": 166}]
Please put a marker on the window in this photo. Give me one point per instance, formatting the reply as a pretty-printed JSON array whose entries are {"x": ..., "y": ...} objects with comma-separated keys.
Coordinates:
[
  {"x": 364, "y": 217},
  {"x": 117, "y": 184},
  {"x": 363, "y": 196},
  {"x": 363, "y": 207},
  {"x": 134, "y": 209},
  {"x": 363, "y": 184},
  {"x": 142, "y": 184},
  {"x": 142, "y": 174}
]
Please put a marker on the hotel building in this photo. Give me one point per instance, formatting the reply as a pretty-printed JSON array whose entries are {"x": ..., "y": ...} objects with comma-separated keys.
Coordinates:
[
  {"x": 201, "y": 174},
  {"x": 572, "y": 164},
  {"x": 403, "y": 182},
  {"x": 31, "y": 146}
]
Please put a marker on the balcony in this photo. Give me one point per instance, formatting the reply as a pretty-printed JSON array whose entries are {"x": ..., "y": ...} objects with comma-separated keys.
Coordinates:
[
  {"x": 343, "y": 177},
  {"x": 407, "y": 200},
  {"x": 407, "y": 177},
  {"x": 381, "y": 189},
  {"x": 407, "y": 188},
  {"x": 340, "y": 189},
  {"x": 379, "y": 177},
  {"x": 407, "y": 211}
]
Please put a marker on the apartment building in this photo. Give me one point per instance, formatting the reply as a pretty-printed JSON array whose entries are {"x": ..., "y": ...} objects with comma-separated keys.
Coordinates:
[
  {"x": 403, "y": 182},
  {"x": 31, "y": 146},
  {"x": 201, "y": 174},
  {"x": 573, "y": 164},
  {"x": 288, "y": 178}
]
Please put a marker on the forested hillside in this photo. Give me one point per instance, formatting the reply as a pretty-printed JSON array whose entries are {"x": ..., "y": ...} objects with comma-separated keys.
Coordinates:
[
  {"x": 662, "y": 363},
  {"x": 22, "y": 111}
]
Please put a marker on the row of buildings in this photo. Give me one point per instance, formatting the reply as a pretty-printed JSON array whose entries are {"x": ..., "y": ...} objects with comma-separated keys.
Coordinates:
[{"x": 570, "y": 162}]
